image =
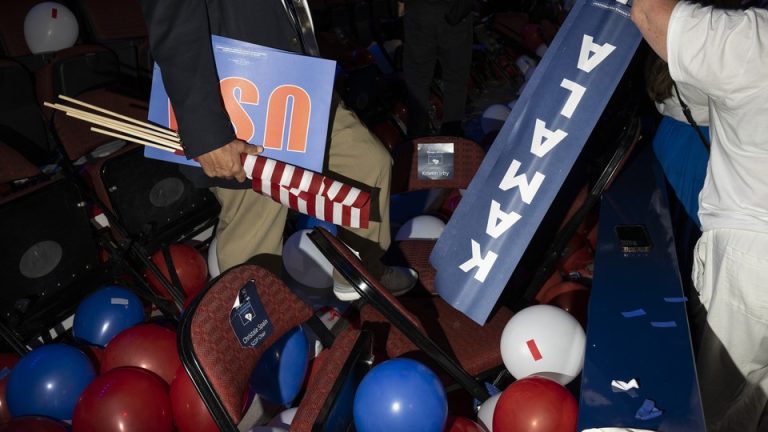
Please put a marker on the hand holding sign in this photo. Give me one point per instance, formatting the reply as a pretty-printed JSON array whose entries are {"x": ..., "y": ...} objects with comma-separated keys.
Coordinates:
[{"x": 225, "y": 162}]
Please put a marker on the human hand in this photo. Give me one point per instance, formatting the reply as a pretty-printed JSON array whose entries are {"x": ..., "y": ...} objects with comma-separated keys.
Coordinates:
[{"x": 225, "y": 162}]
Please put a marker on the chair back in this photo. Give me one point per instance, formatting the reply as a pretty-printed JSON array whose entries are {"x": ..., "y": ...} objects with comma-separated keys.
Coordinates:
[
  {"x": 467, "y": 156},
  {"x": 375, "y": 294},
  {"x": 219, "y": 365}
]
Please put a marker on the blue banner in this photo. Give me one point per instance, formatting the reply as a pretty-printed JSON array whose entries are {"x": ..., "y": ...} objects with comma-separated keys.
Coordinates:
[{"x": 532, "y": 155}]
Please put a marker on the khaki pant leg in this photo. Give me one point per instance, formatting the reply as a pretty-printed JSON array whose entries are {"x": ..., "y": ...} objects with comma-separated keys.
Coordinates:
[
  {"x": 249, "y": 224},
  {"x": 357, "y": 154}
]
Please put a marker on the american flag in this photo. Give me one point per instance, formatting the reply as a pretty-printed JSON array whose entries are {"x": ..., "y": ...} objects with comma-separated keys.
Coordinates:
[{"x": 308, "y": 192}]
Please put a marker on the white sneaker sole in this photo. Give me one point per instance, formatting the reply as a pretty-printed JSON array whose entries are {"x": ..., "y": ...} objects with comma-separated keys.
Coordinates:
[
  {"x": 345, "y": 293},
  {"x": 348, "y": 293}
]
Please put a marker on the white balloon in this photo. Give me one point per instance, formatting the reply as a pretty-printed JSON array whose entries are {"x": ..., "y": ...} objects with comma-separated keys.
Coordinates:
[
  {"x": 50, "y": 26},
  {"x": 284, "y": 419},
  {"x": 421, "y": 227},
  {"x": 485, "y": 413},
  {"x": 524, "y": 64},
  {"x": 494, "y": 117},
  {"x": 543, "y": 340},
  {"x": 305, "y": 263},
  {"x": 213, "y": 260}
]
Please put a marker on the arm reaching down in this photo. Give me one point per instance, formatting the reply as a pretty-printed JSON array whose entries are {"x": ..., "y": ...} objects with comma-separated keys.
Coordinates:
[{"x": 652, "y": 19}]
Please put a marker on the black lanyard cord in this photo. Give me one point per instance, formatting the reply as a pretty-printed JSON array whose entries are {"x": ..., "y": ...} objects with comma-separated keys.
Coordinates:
[{"x": 689, "y": 117}]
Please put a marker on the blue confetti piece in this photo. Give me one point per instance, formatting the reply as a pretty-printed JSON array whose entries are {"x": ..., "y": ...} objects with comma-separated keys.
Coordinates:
[
  {"x": 663, "y": 324},
  {"x": 648, "y": 410},
  {"x": 633, "y": 314},
  {"x": 675, "y": 299},
  {"x": 492, "y": 390}
]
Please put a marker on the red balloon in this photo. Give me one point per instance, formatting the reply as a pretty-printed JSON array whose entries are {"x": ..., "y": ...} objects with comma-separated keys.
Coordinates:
[
  {"x": 148, "y": 346},
  {"x": 189, "y": 412},
  {"x": 462, "y": 424},
  {"x": 34, "y": 424},
  {"x": 535, "y": 404},
  {"x": 126, "y": 399},
  {"x": 190, "y": 266},
  {"x": 7, "y": 361}
]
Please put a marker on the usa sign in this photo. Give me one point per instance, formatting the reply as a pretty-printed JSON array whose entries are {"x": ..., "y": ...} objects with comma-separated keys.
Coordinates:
[
  {"x": 277, "y": 99},
  {"x": 532, "y": 155}
]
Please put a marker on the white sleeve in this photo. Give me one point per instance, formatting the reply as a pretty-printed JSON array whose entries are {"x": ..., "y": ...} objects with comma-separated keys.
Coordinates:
[{"x": 721, "y": 52}]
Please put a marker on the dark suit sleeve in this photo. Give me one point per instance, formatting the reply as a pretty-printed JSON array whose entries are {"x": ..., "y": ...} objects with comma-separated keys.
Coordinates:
[{"x": 180, "y": 42}]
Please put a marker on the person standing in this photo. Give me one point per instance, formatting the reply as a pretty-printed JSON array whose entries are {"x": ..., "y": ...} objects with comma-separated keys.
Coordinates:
[
  {"x": 251, "y": 224},
  {"x": 437, "y": 31},
  {"x": 724, "y": 54}
]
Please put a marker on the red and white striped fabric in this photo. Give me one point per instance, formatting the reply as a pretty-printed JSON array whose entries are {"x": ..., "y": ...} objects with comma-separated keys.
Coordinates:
[{"x": 308, "y": 192}]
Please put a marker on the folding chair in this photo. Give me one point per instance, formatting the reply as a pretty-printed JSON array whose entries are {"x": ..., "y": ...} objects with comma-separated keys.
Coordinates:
[
  {"x": 148, "y": 203},
  {"x": 15, "y": 170},
  {"x": 52, "y": 257},
  {"x": 120, "y": 27},
  {"x": 422, "y": 325},
  {"x": 22, "y": 125},
  {"x": 628, "y": 138},
  {"x": 220, "y": 366},
  {"x": 467, "y": 156}
]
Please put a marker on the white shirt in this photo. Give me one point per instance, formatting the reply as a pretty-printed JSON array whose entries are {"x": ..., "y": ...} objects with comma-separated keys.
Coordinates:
[
  {"x": 696, "y": 100},
  {"x": 725, "y": 54}
]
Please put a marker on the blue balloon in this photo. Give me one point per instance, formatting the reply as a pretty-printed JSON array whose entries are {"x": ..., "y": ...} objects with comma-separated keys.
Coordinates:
[
  {"x": 279, "y": 373},
  {"x": 48, "y": 381},
  {"x": 105, "y": 313},
  {"x": 309, "y": 222},
  {"x": 400, "y": 395}
]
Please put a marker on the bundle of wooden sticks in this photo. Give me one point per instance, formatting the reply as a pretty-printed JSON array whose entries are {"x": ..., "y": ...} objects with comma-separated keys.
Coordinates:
[{"x": 120, "y": 126}]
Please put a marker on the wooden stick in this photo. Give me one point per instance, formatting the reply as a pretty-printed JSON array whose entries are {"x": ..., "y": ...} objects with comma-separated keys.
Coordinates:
[
  {"x": 124, "y": 128},
  {"x": 132, "y": 139},
  {"x": 120, "y": 116},
  {"x": 100, "y": 120}
]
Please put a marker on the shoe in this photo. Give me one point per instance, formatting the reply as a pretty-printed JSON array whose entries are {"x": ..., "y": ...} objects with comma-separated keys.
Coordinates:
[{"x": 398, "y": 280}]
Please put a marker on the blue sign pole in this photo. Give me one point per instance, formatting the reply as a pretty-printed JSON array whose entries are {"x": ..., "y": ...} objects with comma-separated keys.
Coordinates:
[{"x": 532, "y": 155}]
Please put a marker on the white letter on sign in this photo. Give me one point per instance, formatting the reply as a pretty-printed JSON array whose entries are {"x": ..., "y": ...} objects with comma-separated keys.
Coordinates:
[
  {"x": 587, "y": 62},
  {"x": 544, "y": 139},
  {"x": 577, "y": 92},
  {"x": 527, "y": 190},
  {"x": 505, "y": 220},
  {"x": 483, "y": 264}
]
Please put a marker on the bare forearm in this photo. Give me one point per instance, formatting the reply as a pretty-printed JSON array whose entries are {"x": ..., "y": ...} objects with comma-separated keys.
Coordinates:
[{"x": 652, "y": 18}]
